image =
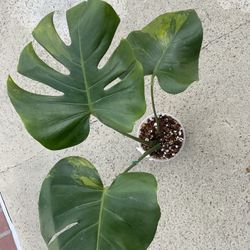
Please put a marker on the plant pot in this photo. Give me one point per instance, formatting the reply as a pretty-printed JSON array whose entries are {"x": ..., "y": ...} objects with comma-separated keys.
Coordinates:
[{"x": 172, "y": 138}]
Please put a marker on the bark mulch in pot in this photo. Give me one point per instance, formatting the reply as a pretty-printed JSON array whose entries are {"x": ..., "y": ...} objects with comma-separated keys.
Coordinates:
[{"x": 171, "y": 137}]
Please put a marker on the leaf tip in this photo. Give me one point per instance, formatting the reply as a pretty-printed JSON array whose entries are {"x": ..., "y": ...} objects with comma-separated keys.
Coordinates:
[
  {"x": 47, "y": 19},
  {"x": 27, "y": 50},
  {"x": 10, "y": 84},
  {"x": 9, "y": 79}
]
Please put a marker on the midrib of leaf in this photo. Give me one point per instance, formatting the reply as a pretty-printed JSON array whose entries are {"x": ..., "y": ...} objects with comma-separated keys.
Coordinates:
[
  {"x": 85, "y": 80},
  {"x": 100, "y": 220},
  {"x": 166, "y": 49},
  {"x": 159, "y": 62}
]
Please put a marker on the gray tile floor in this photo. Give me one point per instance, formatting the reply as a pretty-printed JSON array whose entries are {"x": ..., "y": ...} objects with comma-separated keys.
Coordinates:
[{"x": 204, "y": 193}]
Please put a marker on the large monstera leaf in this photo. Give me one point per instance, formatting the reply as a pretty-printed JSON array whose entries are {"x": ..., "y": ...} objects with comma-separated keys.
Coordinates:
[
  {"x": 78, "y": 213},
  {"x": 169, "y": 49},
  {"x": 62, "y": 121}
]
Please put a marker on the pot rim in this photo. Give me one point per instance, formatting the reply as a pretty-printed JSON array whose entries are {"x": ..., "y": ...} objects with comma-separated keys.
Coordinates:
[{"x": 142, "y": 151}]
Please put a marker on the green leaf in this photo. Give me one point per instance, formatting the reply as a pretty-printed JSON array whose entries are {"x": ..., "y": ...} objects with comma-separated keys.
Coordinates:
[
  {"x": 62, "y": 121},
  {"x": 77, "y": 212},
  {"x": 169, "y": 48}
]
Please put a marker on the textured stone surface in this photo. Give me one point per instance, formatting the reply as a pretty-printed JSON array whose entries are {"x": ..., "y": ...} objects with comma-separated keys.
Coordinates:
[{"x": 204, "y": 193}]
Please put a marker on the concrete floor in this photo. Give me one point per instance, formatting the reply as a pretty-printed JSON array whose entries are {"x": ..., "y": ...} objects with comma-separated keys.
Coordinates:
[{"x": 204, "y": 193}]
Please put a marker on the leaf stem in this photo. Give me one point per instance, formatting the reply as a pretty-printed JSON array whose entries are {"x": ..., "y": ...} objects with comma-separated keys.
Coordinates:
[
  {"x": 153, "y": 103},
  {"x": 148, "y": 152},
  {"x": 137, "y": 139}
]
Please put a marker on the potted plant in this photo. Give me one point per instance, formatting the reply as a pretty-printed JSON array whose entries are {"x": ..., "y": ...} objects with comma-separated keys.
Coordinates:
[{"x": 76, "y": 210}]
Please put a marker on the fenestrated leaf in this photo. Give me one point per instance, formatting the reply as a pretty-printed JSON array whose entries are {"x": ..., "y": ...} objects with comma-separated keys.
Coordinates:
[
  {"x": 169, "y": 48},
  {"x": 63, "y": 121},
  {"x": 78, "y": 212}
]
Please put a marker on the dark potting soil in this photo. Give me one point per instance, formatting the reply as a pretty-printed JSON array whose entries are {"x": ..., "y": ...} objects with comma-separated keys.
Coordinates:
[{"x": 171, "y": 137}]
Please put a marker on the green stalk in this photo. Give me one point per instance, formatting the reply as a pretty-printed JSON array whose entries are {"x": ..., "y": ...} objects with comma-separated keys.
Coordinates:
[
  {"x": 151, "y": 150},
  {"x": 148, "y": 143},
  {"x": 153, "y": 104}
]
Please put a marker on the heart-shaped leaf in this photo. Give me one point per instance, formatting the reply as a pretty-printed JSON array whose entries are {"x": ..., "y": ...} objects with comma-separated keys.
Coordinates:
[
  {"x": 169, "y": 48},
  {"x": 78, "y": 212},
  {"x": 62, "y": 121}
]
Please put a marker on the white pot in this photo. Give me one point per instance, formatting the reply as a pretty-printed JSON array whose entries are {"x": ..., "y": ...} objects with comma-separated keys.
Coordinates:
[{"x": 142, "y": 151}]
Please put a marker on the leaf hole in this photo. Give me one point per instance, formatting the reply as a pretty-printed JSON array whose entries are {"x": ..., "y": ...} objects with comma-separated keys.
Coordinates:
[
  {"x": 61, "y": 26},
  {"x": 114, "y": 44},
  {"x": 112, "y": 84},
  {"x": 103, "y": 62},
  {"x": 35, "y": 86},
  {"x": 62, "y": 231},
  {"x": 49, "y": 60}
]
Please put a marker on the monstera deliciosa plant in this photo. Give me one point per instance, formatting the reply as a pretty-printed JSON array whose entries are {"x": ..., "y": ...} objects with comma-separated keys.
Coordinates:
[{"x": 76, "y": 211}]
